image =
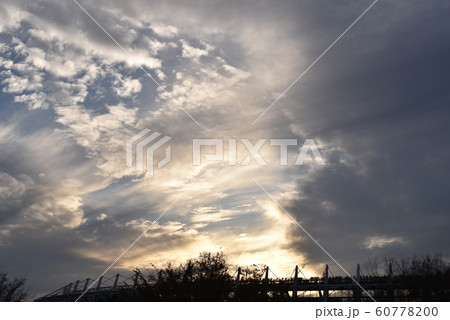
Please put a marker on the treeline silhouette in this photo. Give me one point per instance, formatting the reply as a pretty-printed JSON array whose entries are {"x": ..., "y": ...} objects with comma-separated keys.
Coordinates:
[
  {"x": 426, "y": 276},
  {"x": 210, "y": 277}
]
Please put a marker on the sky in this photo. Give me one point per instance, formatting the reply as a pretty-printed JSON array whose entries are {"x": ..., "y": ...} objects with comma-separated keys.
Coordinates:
[{"x": 376, "y": 104}]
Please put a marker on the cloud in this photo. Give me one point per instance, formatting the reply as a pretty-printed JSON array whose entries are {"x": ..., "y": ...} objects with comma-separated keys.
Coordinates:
[
  {"x": 16, "y": 84},
  {"x": 380, "y": 242},
  {"x": 212, "y": 214},
  {"x": 34, "y": 100},
  {"x": 103, "y": 136},
  {"x": 192, "y": 52},
  {"x": 128, "y": 87},
  {"x": 164, "y": 30},
  {"x": 12, "y": 190},
  {"x": 102, "y": 216}
]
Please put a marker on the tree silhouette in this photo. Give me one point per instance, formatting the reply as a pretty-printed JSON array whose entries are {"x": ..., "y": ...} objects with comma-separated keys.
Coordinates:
[
  {"x": 428, "y": 277},
  {"x": 206, "y": 278},
  {"x": 12, "y": 290}
]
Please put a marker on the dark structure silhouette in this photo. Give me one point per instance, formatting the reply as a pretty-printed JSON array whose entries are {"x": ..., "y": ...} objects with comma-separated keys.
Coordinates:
[{"x": 210, "y": 278}]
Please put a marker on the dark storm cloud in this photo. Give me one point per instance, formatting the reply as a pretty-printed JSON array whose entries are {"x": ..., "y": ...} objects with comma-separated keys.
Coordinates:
[
  {"x": 48, "y": 255},
  {"x": 381, "y": 96}
]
